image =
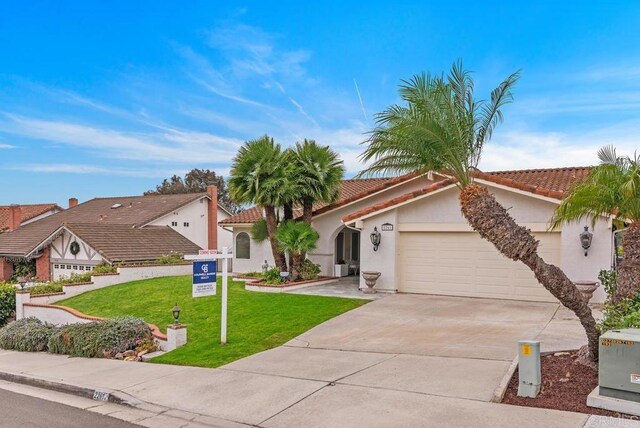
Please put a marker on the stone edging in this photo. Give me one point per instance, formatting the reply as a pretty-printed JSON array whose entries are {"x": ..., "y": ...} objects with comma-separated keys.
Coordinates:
[
  {"x": 155, "y": 331},
  {"x": 294, "y": 284},
  {"x": 257, "y": 286}
]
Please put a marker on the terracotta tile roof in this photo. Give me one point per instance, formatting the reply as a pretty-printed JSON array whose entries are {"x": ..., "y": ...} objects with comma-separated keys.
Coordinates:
[
  {"x": 400, "y": 199},
  {"x": 551, "y": 182},
  {"x": 28, "y": 212},
  {"x": 118, "y": 243},
  {"x": 134, "y": 211},
  {"x": 351, "y": 190}
]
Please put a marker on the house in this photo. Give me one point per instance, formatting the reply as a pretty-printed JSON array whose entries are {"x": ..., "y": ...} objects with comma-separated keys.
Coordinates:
[
  {"x": 426, "y": 245},
  {"x": 115, "y": 230},
  {"x": 14, "y": 216}
]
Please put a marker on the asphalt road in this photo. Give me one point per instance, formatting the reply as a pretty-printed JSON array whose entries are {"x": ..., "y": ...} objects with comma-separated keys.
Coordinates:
[{"x": 22, "y": 411}]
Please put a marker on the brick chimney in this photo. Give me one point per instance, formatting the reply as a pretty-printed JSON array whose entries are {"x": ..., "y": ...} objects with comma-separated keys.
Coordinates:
[
  {"x": 15, "y": 217},
  {"x": 212, "y": 217},
  {"x": 73, "y": 202}
]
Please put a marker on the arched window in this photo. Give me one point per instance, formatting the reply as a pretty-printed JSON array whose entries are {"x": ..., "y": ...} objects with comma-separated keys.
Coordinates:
[{"x": 243, "y": 246}]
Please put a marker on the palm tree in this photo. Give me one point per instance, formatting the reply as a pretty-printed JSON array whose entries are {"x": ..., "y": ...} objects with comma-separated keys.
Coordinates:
[
  {"x": 296, "y": 238},
  {"x": 611, "y": 188},
  {"x": 258, "y": 176},
  {"x": 442, "y": 127},
  {"x": 318, "y": 172}
]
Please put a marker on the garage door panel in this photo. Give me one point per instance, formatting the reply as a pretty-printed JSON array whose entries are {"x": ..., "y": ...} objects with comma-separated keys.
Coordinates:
[{"x": 463, "y": 264}]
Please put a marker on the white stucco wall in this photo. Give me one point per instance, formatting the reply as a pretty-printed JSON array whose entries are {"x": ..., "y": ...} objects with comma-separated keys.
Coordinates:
[
  {"x": 259, "y": 252},
  {"x": 196, "y": 214},
  {"x": 442, "y": 210}
]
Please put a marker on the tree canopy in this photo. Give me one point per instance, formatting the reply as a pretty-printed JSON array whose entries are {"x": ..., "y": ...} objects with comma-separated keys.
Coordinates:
[{"x": 196, "y": 181}]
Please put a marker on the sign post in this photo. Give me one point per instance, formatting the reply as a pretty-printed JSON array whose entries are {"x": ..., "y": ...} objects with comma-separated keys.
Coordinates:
[{"x": 204, "y": 280}]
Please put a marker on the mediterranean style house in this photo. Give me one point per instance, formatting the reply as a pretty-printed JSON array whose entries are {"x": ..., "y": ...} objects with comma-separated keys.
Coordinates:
[
  {"x": 426, "y": 246},
  {"x": 115, "y": 230}
]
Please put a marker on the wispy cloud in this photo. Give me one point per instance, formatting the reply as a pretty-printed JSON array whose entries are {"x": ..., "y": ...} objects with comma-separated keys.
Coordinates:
[
  {"x": 62, "y": 168},
  {"x": 6, "y": 146},
  {"x": 170, "y": 146}
]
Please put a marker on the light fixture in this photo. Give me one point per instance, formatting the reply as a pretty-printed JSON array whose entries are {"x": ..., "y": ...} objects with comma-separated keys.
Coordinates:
[
  {"x": 585, "y": 239},
  {"x": 375, "y": 238},
  {"x": 176, "y": 314}
]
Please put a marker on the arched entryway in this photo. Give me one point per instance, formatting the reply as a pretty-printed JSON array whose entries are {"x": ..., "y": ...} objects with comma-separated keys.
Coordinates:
[{"x": 347, "y": 252}]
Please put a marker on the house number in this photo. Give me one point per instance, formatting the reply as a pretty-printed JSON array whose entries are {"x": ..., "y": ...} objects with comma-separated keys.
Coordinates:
[{"x": 387, "y": 227}]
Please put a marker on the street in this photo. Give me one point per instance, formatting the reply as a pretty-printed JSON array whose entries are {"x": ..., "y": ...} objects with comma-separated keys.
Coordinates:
[{"x": 17, "y": 410}]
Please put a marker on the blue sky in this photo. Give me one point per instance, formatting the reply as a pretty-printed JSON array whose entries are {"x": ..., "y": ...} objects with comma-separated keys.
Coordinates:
[{"x": 107, "y": 98}]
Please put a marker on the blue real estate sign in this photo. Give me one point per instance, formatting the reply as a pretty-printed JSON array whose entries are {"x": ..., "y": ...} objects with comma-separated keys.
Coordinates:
[{"x": 204, "y": 278}]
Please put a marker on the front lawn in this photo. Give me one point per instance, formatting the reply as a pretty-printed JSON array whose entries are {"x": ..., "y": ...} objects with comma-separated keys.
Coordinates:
[{"x": 256, "y": 322}]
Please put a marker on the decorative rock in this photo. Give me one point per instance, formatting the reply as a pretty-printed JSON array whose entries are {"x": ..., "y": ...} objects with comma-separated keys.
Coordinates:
[
  {"x": 119, "y": 356},
  {"x": 129, "y": 353},
  {"x": 130, "y": 358},
  {"x": 561, "y": 354},
  {"x": 141, "y": 353}
]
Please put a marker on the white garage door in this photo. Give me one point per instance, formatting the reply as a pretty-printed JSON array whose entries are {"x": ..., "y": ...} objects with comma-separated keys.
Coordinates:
[{"x": 463, "y": 264}]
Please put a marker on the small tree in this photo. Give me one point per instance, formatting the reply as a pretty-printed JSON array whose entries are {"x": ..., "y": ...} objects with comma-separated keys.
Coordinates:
[{"x": 296, "y": 238}]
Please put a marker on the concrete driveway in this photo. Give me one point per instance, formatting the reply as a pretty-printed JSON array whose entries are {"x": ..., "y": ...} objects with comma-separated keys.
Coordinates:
[{"x": 414, "y": 360}]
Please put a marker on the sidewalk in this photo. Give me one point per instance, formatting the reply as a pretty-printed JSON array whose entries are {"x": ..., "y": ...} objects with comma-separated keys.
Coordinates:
[{"x": 163, "y": 395}]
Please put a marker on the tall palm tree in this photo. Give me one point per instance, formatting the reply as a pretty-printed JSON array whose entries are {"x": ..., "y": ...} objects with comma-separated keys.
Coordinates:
[
  {"x": 296, "y": 238},
  {"x": 442, "y": 127},
  {"x": 258, "y": 176},
  {"x": 318, "y": 172},
  {"x": 611, "y": 188}
]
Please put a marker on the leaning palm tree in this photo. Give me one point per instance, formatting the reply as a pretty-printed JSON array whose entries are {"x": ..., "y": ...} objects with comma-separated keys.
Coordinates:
[
  {"x": 296, "y": 238},
  {"x": 257, "y": 176},
  {"x": 318, "y": 172},
  {"x": 442, "y": 127},
  {"x": 611, "y": 189}
]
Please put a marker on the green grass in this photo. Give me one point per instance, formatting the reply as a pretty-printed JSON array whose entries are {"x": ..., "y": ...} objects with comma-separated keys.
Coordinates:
[{"x": 256, "y": 322}]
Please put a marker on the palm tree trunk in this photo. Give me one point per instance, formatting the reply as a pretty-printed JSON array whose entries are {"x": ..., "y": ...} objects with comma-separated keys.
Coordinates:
[
  {"x": 307, "y": 211},
  {"x": 628, "y": 279},
  {"x": 492, "y": 221},
  {"x": 272, "y": 225},
  {"x": 295, "y": 267},
  {"x": 288, "y": 215}
]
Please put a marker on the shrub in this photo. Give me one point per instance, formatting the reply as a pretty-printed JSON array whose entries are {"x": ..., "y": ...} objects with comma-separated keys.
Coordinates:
[
  {"x": 27, "y": 334},
  {"x": 625, "y": 314},
  {"x": 608, "y": 280},
  {"x": 272, "y": 276},
  {"x": 24, "y": 268},
  {"x": 38, "y": 290},
  {"x": 7, "y": 302},
  {"x": 309, "y": 270},
  {"x": 99, "y": 339},
  {"x": 172, "y": 258},
  {"x": 253, "y": 274}
]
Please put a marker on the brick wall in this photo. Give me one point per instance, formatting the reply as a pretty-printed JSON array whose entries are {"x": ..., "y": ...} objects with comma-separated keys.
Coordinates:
[
  {"x": 6, "y": 269},
  {"x": 43, "y": 265}
]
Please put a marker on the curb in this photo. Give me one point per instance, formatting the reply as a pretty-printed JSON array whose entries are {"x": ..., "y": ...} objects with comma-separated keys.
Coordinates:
[
  {"x": 115, "y": 397},
  {"x": 501, "y": 389}
]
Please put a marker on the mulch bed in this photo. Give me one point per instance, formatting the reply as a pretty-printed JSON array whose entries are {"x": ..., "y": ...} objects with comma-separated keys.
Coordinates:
[{"x": 565, "y": 386}]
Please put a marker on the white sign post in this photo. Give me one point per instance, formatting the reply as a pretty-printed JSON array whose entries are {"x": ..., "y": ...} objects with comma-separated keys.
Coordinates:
[{"x": 225, "y": 256}]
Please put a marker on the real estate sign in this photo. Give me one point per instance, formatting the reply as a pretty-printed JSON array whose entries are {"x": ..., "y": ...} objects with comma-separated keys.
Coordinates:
[{"x": 204, "y": 278}]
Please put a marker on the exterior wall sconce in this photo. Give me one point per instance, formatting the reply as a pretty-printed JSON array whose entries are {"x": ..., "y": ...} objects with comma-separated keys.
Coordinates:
[
  {"x": 585, "y": 239},
  {"x": 375, "y": 238}
]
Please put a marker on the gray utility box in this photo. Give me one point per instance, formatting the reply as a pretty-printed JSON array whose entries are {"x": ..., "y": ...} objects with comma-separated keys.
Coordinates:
[{"x": 620, "y": 364}]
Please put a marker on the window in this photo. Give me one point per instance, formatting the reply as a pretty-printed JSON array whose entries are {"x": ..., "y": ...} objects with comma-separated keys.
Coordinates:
[
  {"x": 186, "y": 224},
  {"x": 243, "y": 246},
  {"x": 56, "y": 266},
  {"x": 68, "y": 266},
  {"x": 174, "y": 223},
  {"x": 81, "y": 267}
]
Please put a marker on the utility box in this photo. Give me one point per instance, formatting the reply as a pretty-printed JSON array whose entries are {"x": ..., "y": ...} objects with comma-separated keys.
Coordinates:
[{"x": 619, "y": 364}]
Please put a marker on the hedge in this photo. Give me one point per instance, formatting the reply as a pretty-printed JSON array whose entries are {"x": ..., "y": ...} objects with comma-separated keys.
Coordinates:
[
  {"x": 99, "y": 339},
  {"x": 7, "y": 303},
  {"x": 26, "y": 334}
]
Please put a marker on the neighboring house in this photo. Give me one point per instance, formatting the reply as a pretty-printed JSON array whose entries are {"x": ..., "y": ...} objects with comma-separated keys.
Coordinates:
[
  {"x": 14, "y": 216},
  {"x": 116, "y": 229},
  {"x": 426, "y": 244}
]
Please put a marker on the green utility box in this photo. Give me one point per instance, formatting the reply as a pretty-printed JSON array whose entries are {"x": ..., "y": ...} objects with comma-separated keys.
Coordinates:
[{"x": 620, "y": 364}]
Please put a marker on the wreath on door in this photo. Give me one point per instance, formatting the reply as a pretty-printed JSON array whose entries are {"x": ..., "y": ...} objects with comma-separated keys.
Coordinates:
[{"x": 75, "y": 248}]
